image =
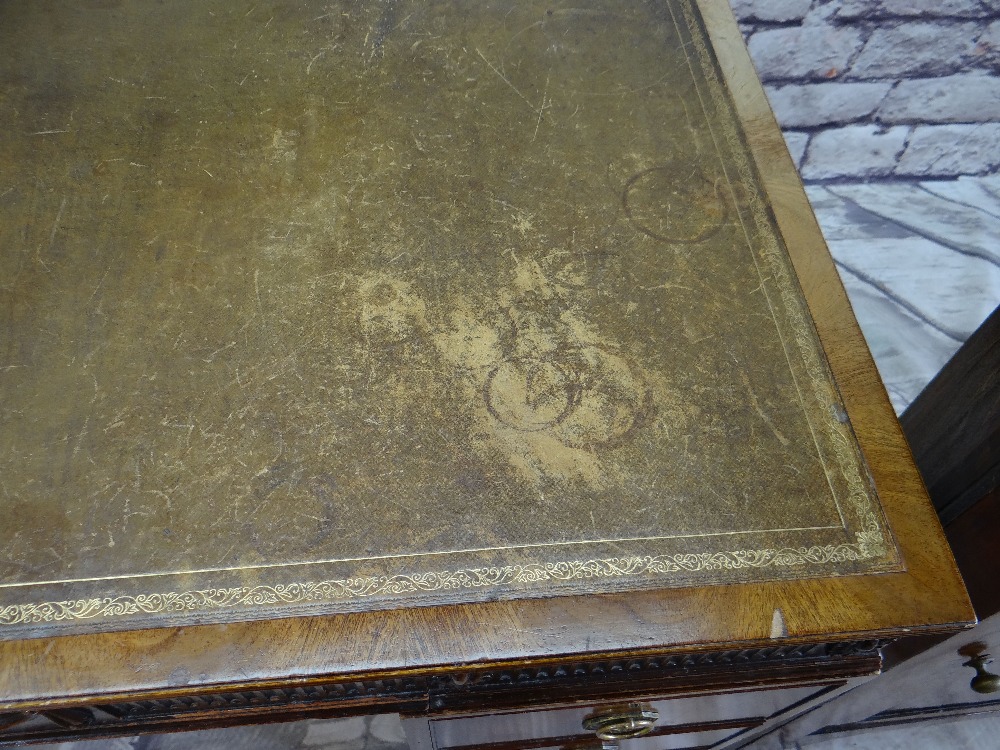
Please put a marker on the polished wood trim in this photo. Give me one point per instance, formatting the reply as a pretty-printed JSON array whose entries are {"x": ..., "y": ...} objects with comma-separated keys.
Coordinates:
[
  {"x": 932, "y": 574},
  {"x": 526, "y": 688},
  {"x": 927, "y": 596},
  {"x": 564, "y": 680}
]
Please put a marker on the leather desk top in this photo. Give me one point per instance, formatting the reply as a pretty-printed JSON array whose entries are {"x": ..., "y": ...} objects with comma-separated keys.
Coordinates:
[{"x": 394, "y": 304}]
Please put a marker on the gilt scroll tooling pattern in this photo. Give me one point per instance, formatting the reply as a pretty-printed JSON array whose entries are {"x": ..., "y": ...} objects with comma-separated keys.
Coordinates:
[{"x": 357, "y": 588}]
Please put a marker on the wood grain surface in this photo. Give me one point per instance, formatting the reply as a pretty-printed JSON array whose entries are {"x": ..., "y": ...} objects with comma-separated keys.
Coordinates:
[{"x": 928, "y": 596}]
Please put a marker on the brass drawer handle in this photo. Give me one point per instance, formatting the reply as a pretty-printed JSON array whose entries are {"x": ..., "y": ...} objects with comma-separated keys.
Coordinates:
[
  {"x": 622, "y": 722},
  {"x": 983, "y": 682}
]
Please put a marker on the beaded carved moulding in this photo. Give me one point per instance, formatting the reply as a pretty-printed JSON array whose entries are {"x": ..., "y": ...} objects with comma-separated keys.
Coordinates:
[{"x": 326, "y": 307}]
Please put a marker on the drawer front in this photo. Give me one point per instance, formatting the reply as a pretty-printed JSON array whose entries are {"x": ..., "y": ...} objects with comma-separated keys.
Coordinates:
[
  {"x": 680, "y": 741},
  {"x": 735, "y": 711}
]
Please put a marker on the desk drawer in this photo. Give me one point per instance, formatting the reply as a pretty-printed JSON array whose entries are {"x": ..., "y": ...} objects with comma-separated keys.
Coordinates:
[
  {"x": 679, "y": 741},
  {"x": 719, "y": 714}
]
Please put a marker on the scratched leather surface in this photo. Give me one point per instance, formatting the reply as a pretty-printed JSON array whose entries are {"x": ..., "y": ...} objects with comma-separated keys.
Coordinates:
[{"x": 323, "y": 307}]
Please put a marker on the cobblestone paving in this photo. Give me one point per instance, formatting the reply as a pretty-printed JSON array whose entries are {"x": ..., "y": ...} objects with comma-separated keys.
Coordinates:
[
  {"x": 921, "y": 265},
  {"x": 907, "y": 88}
]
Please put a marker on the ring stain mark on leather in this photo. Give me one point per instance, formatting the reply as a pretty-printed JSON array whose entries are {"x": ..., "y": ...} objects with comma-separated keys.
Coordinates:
[
  {"x": 532, "y": 394},
  {"x": 587, "y": 398},
  {"x": 674, "y": 203},
  {"x": 545, "y": 386}
]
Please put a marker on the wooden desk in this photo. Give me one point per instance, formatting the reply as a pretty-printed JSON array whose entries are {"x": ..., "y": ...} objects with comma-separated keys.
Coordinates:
[{"x": 429, "y": 358}]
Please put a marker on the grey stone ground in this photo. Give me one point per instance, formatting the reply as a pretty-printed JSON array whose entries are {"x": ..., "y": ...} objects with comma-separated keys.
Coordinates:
[
  {"x": 891, "y": 111},
  {"x": 921, "y": 265}
]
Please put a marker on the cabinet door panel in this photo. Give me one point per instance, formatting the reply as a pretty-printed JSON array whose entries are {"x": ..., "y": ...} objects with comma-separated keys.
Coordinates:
[
  {"x": 932, "y": 685},
  {"x": 937, "y": 680},
  {"x": 933, "y": 682}
]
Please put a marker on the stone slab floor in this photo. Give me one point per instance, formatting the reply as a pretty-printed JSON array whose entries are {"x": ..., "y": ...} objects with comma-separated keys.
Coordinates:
[{"x": 921, "y": 265}]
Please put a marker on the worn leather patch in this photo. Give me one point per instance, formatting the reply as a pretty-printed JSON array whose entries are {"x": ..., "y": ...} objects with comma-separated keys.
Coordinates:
[{"x": 374, "y": 304}]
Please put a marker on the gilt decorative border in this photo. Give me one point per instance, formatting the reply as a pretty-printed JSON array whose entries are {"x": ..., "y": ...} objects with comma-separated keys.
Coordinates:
[{"x": 868, "y": 546}]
